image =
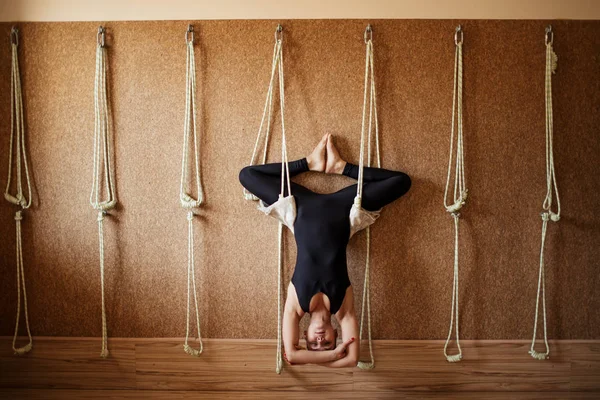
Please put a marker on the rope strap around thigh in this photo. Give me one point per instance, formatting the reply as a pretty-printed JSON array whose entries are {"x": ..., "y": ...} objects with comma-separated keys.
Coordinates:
[
  {"x": 17, "y": 137},
  {"x": 551, "y": 187},
  {"x": 103, "y": 173},
  {"x": 460, "y": 185}
]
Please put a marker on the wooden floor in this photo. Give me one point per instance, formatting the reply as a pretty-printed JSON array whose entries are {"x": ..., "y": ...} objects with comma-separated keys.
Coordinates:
[{"x": 70, "y": 368}]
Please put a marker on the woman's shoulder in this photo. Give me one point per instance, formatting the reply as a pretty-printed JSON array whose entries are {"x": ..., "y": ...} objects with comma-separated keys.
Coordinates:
[
  {"x": 292, "y": 304},
  {"x": 347, "y": 307}
]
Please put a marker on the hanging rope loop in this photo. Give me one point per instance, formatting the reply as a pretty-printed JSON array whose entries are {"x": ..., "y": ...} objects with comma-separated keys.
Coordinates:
[
  {"x": 187, "y": 201},
  {"x": 265, "y": 122},
  {"x": 370, "y": 102},
  {"x": 103, "y": 196},
  {"x": 190, "y": 130},
  {"x": 551, "y": 192},
  {"x": 460, "y": 184},
  {"x": 19, "y": 196}
]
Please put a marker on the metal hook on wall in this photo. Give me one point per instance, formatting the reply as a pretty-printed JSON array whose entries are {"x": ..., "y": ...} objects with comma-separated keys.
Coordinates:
[
  {"x": 14, "y": 35},
  {"x": 101, "y": 36},
  {"x": 189, "y": 34},
  {"x": 368, "y": 33},
  {"x": 279, "y": 33},
  {"x": 549, "y": 37},
  {"x": 458, "y": 31}
]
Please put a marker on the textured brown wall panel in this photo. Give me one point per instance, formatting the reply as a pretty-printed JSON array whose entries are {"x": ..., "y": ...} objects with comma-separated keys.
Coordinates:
[{"x": 236, "y": 246}]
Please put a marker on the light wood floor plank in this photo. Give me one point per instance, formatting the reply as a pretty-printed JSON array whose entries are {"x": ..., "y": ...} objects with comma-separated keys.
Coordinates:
[
  {"x": 158, "y": 368},
  {"x": 229, "y": 365},
  {"x": 68, "y": 363},
  {"x": 65, "y": 394}
]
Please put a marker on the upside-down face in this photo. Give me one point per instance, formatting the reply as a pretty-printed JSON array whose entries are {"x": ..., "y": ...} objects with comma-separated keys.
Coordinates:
[{"x": 320, "y": 335}]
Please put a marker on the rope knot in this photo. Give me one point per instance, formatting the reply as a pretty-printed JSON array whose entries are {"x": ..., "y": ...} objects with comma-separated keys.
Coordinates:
[
  {"x": 19, "y": 215},
  {"x": 190, "y": 215},
  {"x": 100, "y": 217},
  {"x": 554, "y": 217},
  {"x": 358, "y": 201},
  {"x": 455, "y": 214},
  {"x": 545, "y": 216}
]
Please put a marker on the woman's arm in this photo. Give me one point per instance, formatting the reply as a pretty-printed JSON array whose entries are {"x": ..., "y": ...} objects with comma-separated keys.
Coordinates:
[
  {"x": 264, "y": 181},
  {"x": 294, "y": 354},
  {"x": 349, "y": 324},
  {"x": 381, "y": 186}
]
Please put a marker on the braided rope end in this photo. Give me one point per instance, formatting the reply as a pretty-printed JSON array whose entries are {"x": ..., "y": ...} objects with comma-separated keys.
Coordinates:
[
  {"x": 104, "y": 353},
  {"x": 24, "y": 350},
  {"x": 365, "y": 365},
  {"x": 454, "y": 358},
  {"x": 191, "y": 351},
  {"x": 538, "y": 356}
]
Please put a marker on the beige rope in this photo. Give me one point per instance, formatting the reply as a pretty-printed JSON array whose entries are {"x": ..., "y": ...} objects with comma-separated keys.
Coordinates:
[
  {"x": 460, "y": 185},
  {"x": 547, "y": 214},
  {"x": 370, "y": 89},
  {"x": 276, "y": 70},
  {"x": 17, "y": 137},
  {"x": 102, "y": 165},
  {"x": 267, "y": 115},
  {"x": 285, "y": 177},
  {"x": 187, "y": 201}
]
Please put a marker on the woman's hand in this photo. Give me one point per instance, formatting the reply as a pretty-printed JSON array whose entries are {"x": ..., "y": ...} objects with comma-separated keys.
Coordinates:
[{"x": 340, "y": 351}]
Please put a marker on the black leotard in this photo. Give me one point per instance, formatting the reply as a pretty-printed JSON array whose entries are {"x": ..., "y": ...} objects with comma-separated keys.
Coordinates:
[{"x": 322, "y": 225}]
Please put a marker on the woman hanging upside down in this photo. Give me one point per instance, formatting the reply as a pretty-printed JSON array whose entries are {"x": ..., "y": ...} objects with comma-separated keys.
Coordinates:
[{"x": 320, "y": 284}]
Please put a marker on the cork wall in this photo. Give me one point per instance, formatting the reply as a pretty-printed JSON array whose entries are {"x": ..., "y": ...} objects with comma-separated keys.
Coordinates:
[{"x": 236, "y": 246}]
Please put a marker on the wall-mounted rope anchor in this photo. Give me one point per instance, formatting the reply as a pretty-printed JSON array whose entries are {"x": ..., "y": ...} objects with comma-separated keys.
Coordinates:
[
  {"x": 14, "y": 35},
  {"x": 101, "y": 36},
  {"x": 458, "y": 33},
  {"x": 279, "y": 33},
  {"x": 368, "y": 33},
  {"x": 189, "y": 34},
  {"x": 549, "y": 37}
]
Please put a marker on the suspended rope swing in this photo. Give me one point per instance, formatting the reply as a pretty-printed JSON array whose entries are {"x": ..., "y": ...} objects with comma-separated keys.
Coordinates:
[
  {"x": 103, "y": 182},
  {"x": 17, "y": 138},
  {"x": 460, "y": 184},
  {"x": 357, "y": 212},
  {"x": 547, "y": 214},
  {"x": 187, "y": 201},
  {"x": 276, "y": 68}
]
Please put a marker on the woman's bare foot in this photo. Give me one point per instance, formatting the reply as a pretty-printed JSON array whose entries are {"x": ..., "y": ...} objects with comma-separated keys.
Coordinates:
[
  {"x": 317, "y": 159},
  {"x": 335, "y": 164}
]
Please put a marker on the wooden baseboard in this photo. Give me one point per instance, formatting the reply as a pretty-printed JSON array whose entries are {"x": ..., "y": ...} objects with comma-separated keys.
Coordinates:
[{"x": 158, "y": 368}]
